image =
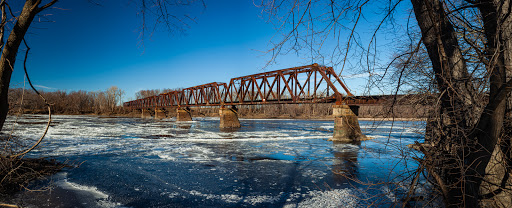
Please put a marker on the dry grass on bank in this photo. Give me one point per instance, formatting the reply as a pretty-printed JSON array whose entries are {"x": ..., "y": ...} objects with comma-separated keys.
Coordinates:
[{"x": 16, "y": 173}]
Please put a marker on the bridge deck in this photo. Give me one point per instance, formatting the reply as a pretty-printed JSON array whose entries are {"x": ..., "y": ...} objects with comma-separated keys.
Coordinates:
[{"x": 305, "y": 84}]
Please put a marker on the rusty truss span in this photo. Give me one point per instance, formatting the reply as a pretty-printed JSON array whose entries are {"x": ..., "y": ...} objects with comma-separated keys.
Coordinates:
[{"x": 304, "y": 84}]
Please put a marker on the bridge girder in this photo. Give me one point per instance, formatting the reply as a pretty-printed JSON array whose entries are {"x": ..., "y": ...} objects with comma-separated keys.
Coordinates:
[{"x": 304, "y": 84}]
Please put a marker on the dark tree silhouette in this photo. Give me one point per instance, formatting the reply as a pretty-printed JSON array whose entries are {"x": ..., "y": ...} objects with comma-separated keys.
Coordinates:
[{"x": 10, "y": 47}]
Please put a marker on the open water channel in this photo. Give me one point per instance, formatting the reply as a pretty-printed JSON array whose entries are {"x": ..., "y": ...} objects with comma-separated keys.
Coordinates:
[{"x": 132, "y": 162}]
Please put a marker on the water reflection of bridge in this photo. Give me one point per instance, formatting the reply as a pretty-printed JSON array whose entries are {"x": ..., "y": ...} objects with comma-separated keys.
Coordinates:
[{"x": 298, "y": 85}]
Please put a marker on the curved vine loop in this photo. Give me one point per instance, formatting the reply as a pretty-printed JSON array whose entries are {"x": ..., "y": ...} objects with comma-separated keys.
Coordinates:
[{"x": 21, "y": 154}]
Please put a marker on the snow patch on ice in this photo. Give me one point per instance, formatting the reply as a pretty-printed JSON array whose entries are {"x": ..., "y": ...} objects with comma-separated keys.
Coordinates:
[
  {"x": 228, "y": 198},
  {"x": 315, "y": 175},
  {"x": 331, "y": 198},
  {"x": 100, "y": 198},
  {"x": 254, "y": 200},
  {"x": 233, "y": 198},
  {"x": 191, "y": 153}
]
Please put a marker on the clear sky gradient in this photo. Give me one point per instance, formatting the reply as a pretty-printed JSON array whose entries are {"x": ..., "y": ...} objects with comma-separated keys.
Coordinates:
[{"x": 90, "y": 47}]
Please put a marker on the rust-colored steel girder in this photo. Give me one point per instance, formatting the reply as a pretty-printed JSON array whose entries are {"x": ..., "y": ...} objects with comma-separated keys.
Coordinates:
[{"x": 304, "y": 84}]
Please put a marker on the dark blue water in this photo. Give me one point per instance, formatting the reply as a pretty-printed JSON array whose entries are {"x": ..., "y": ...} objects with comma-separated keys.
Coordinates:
[{"x": 130, "y": 162}]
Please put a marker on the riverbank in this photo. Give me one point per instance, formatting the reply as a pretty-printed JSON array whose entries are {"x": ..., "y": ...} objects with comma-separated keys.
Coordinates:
[
  {"x": 17, "y": 173},
  {"x": 317, "y": 111}
]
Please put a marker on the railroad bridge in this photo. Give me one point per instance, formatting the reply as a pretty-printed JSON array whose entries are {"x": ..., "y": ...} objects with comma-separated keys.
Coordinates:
[{"x": 305, "y": 84}]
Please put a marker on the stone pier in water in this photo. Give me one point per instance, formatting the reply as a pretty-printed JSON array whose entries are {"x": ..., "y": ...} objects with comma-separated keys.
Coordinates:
[
  {"x": 160, "y": 113},
  {"x": 346, "y": 125},
  {"x": 145, "y": 113},
  {"x": 229, "y": 117},
  {"x": 183, "y": 114}
]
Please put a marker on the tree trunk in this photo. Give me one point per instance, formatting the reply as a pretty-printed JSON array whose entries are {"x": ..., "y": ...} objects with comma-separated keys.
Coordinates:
[
  {"x": 10, "y": 50},
  {"x": 454, "y": 113},
  {"x": 498, "y": 26},
  {"x": 465, "y": 132}
]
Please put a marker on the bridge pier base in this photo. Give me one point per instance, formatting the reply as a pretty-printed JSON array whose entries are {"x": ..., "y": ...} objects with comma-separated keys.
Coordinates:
[
  {"x": 159, "y": 113},
  {"x": 229, "y": 117},
  {"x": 145, "y": 113},
  {"x": 183, "y": 114},
  {"x": 346, "y": 125}
]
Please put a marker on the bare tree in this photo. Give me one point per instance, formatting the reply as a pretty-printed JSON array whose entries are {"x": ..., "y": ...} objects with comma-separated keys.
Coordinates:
[
  {"x": 10, "y": 47},
  {"x": 147, "y": 93},
  {"x": 173, "y": 15},
  {"x": 470, "y": 128},
  {"x": 461, "y": 56},
  {"x": 113, "y": 98}
]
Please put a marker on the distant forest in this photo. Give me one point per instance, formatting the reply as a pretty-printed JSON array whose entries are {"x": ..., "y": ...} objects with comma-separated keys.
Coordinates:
[
  {"x": 109, "y": 102},
  {"x": 75, "y": 102},
  {"x": 405, "y": 108}
]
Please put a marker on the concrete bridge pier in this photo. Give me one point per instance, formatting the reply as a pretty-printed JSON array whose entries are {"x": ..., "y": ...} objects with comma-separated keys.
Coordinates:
[
  {"x": 183, "y": 114},
  {"x": 229, "y": 117},
  {"x": 346, "y": 125},
  {"x": 145, "y": 113},
  {"x": 135, "y": 112},
  {"x": 159, "y": 113}
]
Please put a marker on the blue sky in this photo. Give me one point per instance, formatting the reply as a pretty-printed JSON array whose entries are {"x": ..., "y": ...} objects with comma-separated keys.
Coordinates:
[{"x": 90, "y": 47}]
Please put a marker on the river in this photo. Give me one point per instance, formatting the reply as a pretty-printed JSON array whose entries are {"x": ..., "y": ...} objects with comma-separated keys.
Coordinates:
[{"x": 132, "y": 162}]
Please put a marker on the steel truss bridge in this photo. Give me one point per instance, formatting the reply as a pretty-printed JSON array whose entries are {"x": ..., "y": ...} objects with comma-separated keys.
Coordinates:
[{"x": 304, "y": 84}]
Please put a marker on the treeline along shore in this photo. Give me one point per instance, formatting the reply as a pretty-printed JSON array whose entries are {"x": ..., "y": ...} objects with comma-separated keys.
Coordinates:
[
  {"x": 74, "y": 103},
  {"x": 109, "y": 102}
]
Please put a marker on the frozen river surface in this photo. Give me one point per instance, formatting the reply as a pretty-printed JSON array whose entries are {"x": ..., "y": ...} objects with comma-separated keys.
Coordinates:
[{"x": 131, "y": 162}]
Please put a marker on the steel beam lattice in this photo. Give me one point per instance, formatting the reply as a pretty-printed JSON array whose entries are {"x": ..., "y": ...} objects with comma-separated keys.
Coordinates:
[{"x": 304, "y": 84}]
